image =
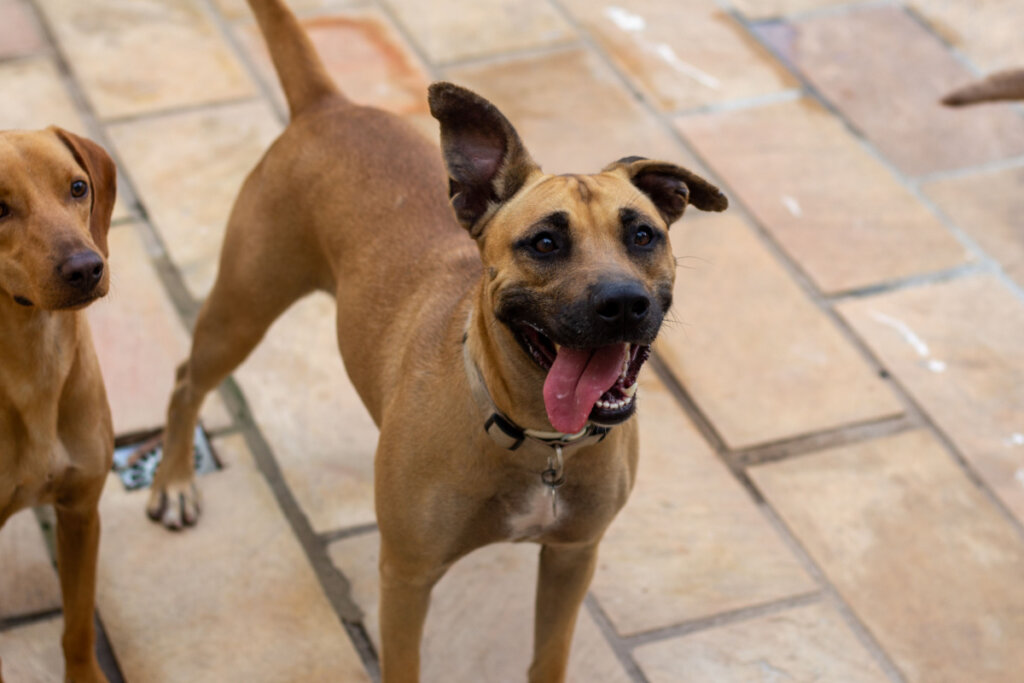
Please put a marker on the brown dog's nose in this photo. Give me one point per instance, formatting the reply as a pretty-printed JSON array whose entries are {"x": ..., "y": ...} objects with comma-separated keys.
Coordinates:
[
  {"x": 621, "y": 304},
  {"x": 82, "y": 270}
]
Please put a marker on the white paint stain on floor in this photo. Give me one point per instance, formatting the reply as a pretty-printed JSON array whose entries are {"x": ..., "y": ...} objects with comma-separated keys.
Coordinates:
[
  {"x": 634, "y": 23},
  {"x": 911, "y": 337}
]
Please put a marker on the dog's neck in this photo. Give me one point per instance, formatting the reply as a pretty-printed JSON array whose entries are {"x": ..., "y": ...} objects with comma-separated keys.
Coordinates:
[{"x": 34, "y": 351}]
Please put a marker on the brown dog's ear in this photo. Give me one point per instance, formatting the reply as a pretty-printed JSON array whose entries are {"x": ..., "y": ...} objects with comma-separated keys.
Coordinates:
[
  {"x": 102, "y": 182},
  {"x": 671, "y": 187},
  {"x": 487, "y": 162}
]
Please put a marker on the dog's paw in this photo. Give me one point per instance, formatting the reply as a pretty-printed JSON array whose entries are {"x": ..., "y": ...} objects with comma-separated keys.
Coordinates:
[{"x": 174, "y": 504}]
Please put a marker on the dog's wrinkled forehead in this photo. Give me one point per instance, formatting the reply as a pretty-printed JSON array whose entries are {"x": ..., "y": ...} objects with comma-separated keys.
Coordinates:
[
  {"x": 589, "y": 205},
  {"x": 591, "y": 201}
]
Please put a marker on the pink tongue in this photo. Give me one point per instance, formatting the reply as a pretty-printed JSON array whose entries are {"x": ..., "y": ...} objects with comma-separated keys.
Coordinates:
[{"x": 576, "y": 380}]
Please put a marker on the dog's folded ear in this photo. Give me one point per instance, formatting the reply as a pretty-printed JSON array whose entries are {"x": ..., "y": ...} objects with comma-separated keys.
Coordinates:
[
  {"x": 670, "y": 187},
  {"x": 102, "y": 173},
  {"x": 487, "y": 162}
]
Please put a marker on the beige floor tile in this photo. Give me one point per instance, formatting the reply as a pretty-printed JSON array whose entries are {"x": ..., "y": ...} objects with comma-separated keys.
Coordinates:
[
  {"x": 28, "y": 581},
  {"x": 915, "y": 549},
  {"x": 140, "y": 339},
  {"x": 36, "y": 97},
  {"x": 759, "y": 358},
  {"x": 232, "y": 599},
  {"x": 683, "y": 59},
  {"x": 322, "y": 436},
  {"x": 762, "y": 9},
  {"x": 571, "y": 111},
  {"x": 188, "y": 168},
  {"x": 990, "y": 208},
  {"x": 459, "y": 29},
  {"x": 836, "y": 209},
  {"x": 364, "y": 54},
  {"x": 892, "y": 94},
  {"x": 32, "y": 654},
  {"x": 20, "y": 33},
  {"x": 956, "y": 346},
  {"x": 145, "y": 56},
  {"x": 986, "y": 31},
  {"x": 681, "y": 548},
  {"x": 800, "y": 644},
  {"x": 480, "y": 624}
]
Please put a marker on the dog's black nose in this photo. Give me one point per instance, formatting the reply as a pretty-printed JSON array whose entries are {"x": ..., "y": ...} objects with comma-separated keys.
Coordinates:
[
  {"x": 621, "y": 304},
  {"x": 82, "y": 270}
]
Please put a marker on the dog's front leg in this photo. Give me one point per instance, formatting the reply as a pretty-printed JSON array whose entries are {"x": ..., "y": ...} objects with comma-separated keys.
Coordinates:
[
  {"x": 565, "y": 573},
  {"x": 405, "y": 585},
  {"x": 78, "y": 540}
]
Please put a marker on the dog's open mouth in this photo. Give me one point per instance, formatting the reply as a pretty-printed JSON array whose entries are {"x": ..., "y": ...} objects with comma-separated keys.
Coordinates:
[{"x": 598, "y": 384}]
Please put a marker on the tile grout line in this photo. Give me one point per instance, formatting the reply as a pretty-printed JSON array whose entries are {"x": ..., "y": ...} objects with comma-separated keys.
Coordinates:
[
  {"x": 334, "y": 584},
  {"x": 335, "y": 535},
  {"x": 835, "y": 599},
  {"x": 179, "y": 109},
  {"x": 726, "y": 618},
  {"x": 839, "y": 9},
  {"x": 433, "y": 71},
  {"x": 18, "y": 620},
  {"x": 622, "y": 651}
]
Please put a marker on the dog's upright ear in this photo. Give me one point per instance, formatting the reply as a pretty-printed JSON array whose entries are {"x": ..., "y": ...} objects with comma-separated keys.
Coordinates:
[
  {"x": 670, "y": 187},
  {"x": 102, "y": 173},
  {"x": 487, "y": 162}
]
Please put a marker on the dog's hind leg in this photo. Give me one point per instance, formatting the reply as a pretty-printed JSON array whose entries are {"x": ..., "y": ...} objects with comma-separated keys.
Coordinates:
[{"x": 257, "y": 281}]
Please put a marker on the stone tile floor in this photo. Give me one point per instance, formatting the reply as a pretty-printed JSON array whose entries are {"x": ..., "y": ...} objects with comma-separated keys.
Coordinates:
[{"x": 832, "y": 474}]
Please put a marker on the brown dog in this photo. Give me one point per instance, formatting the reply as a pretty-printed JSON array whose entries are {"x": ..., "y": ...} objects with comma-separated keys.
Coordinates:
[
  {"x": 56, "y": 439},
  {"x": 542, "y": 319}
]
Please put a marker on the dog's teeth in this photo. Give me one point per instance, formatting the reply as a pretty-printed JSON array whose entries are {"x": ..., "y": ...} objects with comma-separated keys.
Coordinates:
[{"x": 630, "y": 390}]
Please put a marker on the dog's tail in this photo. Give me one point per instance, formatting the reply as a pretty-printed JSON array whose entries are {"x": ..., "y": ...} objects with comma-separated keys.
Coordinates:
[
  {"x": 302, "y": 74},
  {"x": 1002, "y": 85}
]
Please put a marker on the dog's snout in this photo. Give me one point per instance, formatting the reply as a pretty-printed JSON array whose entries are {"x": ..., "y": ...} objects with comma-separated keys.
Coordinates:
[
  {"x": 82, "y": 270},
  {"x": 621, "y": 303}
]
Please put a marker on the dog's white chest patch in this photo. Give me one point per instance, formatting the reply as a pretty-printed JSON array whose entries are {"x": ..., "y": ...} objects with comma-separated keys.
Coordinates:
[{"x": 536, "y": 514}]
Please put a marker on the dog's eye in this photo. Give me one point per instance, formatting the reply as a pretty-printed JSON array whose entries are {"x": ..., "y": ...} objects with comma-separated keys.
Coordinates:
[
  {"x": 4, "y": 210},
  {"x": 544, "y": 243},
  {"x": 643, "y": 236},
  {"x": 79, "y": 188}
]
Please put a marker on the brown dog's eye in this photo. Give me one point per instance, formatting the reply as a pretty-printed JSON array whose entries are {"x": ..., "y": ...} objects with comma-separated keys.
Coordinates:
[
  {"x": 4, "y": 210},
  {"x": 643, "y": 236},
  {"x": 544, "y": 243},
  {"x": 79, "y": 188}
]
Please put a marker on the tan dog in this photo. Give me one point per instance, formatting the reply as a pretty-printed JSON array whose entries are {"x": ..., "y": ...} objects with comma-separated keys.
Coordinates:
[
  {"x": 56, "y": 439},
  {"x": 543, "y": 322}
]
